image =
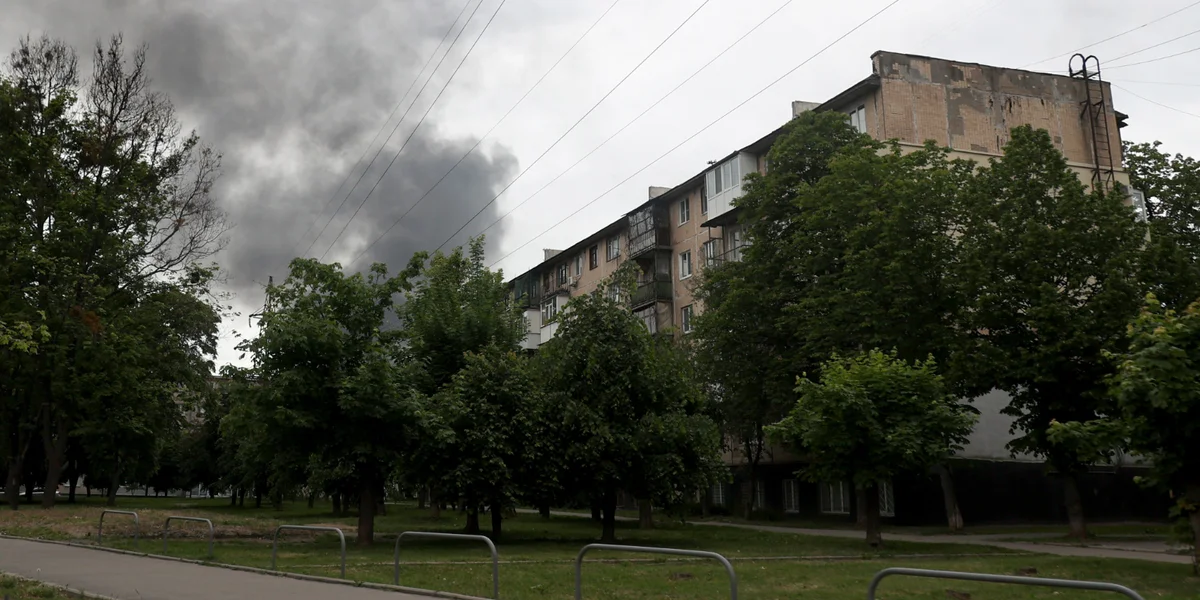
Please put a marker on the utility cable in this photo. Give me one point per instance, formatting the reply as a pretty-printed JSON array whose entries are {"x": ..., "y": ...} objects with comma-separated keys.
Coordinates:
[
  {"x": 1152, "y": 60},
  {"x": 702, "y": 130},
  {"x": 627, "y": 125},
  {"x": 564, "y": 135},
  {"x": 418, "y": 126},
  {"x": 382, "y": 126},
  {"x": 1128, "y": 31},
  {"x": 1128, "y": 54},
  {"x": 1135, "y": 95},
  {"x": 497, "y": 124}
]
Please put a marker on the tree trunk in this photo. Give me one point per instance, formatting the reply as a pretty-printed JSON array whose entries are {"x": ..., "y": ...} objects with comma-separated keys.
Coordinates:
[
  {"x": 72, "y": 484},
  {"x": 645, "y": 514},
  {"x": 954, "y": 518},
  {"x": 258, "y": 498},
  {"x": 497, "y": 520},
  {"x": 596, "y": 509},
  {"x": 1074, "y": 503},
  {"x": 16, "y": 465},
  {"x": 1193, "y": 496},
  {"x": 146, "y": 492},
  {"x": 366, "y": 515},
  {"x": 113, "y": 481},
  {"x": 473, "y": 521},
  {"x": 242, "y": 498},
  {"x": 277, "y": 500},
  {"x": 860, "y": 507},
  {"x": 422, "y": 494},
  {"x": 609, "y": 533},
  {"x": 233, "y": 497},
  {"x": 705, "y": 504},
  {"x": 87, "y": 491},
  {"x": 337, "y": 504},
  {"x": 874, "y": 536},
  {"x": 312, "y": 499},
  {"x": 56, "y": 453},
  {"x": 544, "y": 510}
]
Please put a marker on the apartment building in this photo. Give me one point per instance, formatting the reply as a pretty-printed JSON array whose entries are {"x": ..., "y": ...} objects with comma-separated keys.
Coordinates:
[{"x": 678, "y": 231}]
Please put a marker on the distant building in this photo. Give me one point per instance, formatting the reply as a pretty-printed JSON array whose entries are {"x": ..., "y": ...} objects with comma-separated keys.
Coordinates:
[{"x": 681, "y": 230}]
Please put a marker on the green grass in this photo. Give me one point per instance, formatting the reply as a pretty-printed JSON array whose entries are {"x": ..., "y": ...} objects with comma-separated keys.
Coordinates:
[
  {"x": 538, "y": 555},
  {"x": 13, "y": 588}
]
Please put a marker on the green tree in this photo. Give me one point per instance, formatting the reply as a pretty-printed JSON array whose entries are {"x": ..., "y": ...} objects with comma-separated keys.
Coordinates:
[
  {"x": 456, "y": 307},
  {"x": 105, "y": 203},
  {"x": 1171, "y": 259},
  {"x": 335, "y": 389},
  {"x": 633, "y": 419},
  {"x": 1050, "y": 269},
  {"x": 751, "y": 363},
  {"x": 1157, "y": 391},
  {"x": 870, "y": 418},
  {"x": 489, "y": 408}
]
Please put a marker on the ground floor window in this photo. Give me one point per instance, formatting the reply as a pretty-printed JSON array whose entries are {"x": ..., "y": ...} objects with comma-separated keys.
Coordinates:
[
  {"x": 835, "y": 498},
  {"x": 760, "y": 496},
  {"x": 791, "y": 495},
  {"x": 718, "y": 495},
  {"x": 887, "y": 500}
]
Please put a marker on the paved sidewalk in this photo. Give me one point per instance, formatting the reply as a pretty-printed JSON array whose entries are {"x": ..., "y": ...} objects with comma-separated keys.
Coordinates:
[
  {"x": 994, "y": 540},
  {"x": 128, "y": 577}
]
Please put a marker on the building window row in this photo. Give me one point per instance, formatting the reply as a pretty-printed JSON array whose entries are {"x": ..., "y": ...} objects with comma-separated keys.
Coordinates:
[{"x": 613, "y": 246}]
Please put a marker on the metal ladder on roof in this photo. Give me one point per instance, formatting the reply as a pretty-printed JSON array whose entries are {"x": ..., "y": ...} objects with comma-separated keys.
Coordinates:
[{"x": 1095, "y": 111}]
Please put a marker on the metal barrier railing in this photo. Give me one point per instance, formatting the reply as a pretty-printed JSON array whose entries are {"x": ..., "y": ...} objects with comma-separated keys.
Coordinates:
[
  {"x": 275, "y": 541},
  {"x": 137, "y": 525},
  {"x": 672, "y": 551},
  {"x": 212, "y": 532},
  {"x": 1099, "y": 586},
  {"x": 450, "y": 536}
]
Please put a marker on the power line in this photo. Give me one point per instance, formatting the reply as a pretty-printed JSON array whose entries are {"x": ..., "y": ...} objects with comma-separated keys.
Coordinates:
[
  {"x": 565, "y": 133},
  {"x": 1135, "y": 95},
  {"x": 702, "y": 130},
  {"x": 1156, "y": 82},
  {"x": 1127, "y": 55},
  {"x": 1069, "y": 52},
  {"x": 382, "y": 126},
  {"x": 493, "y": 128},
  {"x": 418, "y": 126},
  {"x": 627, "y": 125},
  {"x": 1143, "y": 62}
]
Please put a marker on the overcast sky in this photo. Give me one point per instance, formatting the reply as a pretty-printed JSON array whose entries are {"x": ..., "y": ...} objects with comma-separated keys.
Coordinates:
[{"x": 292, "y": 91}]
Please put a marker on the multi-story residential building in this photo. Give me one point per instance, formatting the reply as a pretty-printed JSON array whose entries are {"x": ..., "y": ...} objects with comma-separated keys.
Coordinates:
[{"x": 966, "y": 107}]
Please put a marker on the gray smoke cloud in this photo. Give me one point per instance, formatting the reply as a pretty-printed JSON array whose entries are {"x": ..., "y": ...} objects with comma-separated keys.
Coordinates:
[{"x": 291, "y": 92}]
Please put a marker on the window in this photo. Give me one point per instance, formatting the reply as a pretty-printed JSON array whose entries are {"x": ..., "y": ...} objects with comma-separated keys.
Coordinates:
[
  {"x": 562, "y": 274},
  {"x": 709, "y": 249},
  {"x": 594, "y": 257},
  {"x": 887, "y": 500},
  {"x": 1138, "y": 199},
  {"x": 791, "y": 496},
  {"x": 835, "y": 498},
  {"x": 613, "y": 245},
  {"x": 760, "y": 495},
  {"x": 579, "y": 265},
  {"x": 685, "y": 211},
  {"x": 718, "y": 494},
  {"x": 685, "y": 314},
  {"x": 649, "y": 318},
  {"x": 704, "y": 199},
  {"x": 685, "y": 265},
  {"x": 724, "y": 176},
  {"x": 549, "y": 310},
  {"x": 613, "y": 292},
  {"x": 858, "y": 118}
]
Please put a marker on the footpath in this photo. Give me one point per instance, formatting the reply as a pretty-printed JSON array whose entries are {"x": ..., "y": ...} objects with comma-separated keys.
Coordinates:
[
  {"x": 127, "y": 577},
  {"x": 994, "y": 540}
]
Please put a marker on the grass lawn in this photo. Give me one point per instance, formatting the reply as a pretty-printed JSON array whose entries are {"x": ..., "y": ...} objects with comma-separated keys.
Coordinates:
[
  {"x": 537, "y": 555},
  {"x": 13, "y": 588}
]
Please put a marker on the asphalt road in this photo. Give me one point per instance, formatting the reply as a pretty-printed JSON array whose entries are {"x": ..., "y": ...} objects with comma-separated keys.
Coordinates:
[{"x": 127, "y": 577}]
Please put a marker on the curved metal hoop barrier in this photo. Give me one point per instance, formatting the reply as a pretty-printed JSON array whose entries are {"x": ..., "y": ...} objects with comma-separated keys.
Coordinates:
[
  {"x": 450, "y": 536},
  {"x": 212, "y": 532},
  {"x": 672, "y": 551},
  {"x": 137, "y": 525},
  {"x": 1098, "y": 586},
  {"x": 275, "y": 541}
]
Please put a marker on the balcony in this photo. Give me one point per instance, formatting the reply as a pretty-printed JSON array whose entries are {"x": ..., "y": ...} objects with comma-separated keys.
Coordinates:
[
  {"x": 732, "y": 255},
  {"x": 652, "y": 289},
  {"x": 649, "y": 229}
]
